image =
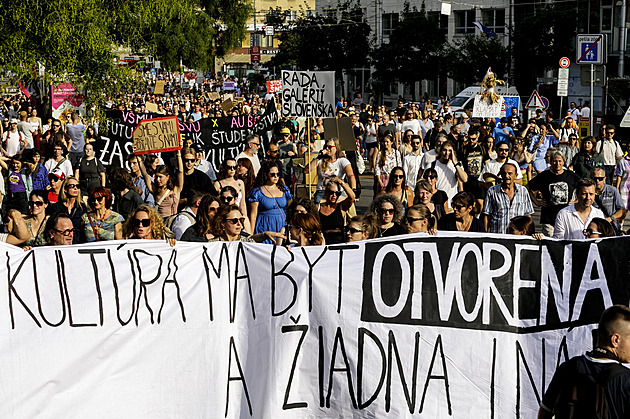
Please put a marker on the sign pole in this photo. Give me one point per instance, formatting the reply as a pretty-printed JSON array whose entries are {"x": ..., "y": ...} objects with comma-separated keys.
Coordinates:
[
  {"x": 591, "y": 102},
  {"x": 560, "y": 114}
]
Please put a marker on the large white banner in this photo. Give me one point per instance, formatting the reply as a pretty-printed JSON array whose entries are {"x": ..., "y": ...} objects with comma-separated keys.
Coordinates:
[
  {"x": 308, "y": 94},
  {"x": 416, "y": 326}
]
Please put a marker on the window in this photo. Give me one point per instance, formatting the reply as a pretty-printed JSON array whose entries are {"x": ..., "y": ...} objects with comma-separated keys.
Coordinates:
[
  {"x": 607, "y": 19},
  {"x": 464, "y": 22},
  {"x": 390, "y": 21},
  {"x": 494, "y": 19},
  {"x": 267, "y": 41},
  {"x": 442, "y": 20},
  {"x": 291, "y": 15},
  {"x": 254, "y": 40}
]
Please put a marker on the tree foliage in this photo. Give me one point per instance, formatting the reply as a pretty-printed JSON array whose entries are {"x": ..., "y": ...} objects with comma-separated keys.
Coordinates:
[
  {"x": 413, "y": 51},
  {"x": 467, "y": 60},
  {"x": 334, "y": 42}
]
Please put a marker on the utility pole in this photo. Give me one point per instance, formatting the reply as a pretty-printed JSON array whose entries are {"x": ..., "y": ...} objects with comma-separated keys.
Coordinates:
[{"x": 622, "y": 40}]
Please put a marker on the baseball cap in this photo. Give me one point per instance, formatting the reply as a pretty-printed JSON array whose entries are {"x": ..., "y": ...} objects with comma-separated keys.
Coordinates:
[
  {"x": 14, "y": 121},
  {"x": 285, "y": 130},
  {"x": 58, "y": 173}
]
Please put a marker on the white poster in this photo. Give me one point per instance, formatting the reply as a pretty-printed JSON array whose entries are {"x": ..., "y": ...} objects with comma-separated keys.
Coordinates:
[
  {"x": 483, "y": 109},
  {"x": 416, "y": 326},
  {"x": 308, "y": 94}
]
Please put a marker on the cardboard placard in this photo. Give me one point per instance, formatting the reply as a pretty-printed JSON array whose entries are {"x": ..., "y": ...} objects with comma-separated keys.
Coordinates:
[
  {"x": 159, "y": 87},
  {"x": 342, "y": 129},
  {"x": 156, "y": 134},
  {"x": 227, "y": 104},
  {"x": 151, "y": 107},
  {"x": 308, "y": 94},
  {"x": 483, "y": 109},
  {"x": 214, "y": 96}
]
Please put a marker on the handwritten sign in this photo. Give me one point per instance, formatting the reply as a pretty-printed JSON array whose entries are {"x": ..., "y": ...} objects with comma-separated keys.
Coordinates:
[
  {"x": 483, "y": 109},
  {"x": 274, "y": 86},
  {"x": 156, "y": 134},
  {"x": 214, "y": 96},
  {"x": 159, "y": 87},
  {"x": 308, "y": 94}
]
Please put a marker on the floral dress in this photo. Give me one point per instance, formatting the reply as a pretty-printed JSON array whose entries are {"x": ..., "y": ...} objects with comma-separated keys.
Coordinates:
[{"x": 99, "y": 230}]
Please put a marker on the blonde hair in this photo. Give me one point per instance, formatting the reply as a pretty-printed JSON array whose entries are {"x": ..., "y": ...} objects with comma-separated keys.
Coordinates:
[
  {"x": 158, "y": 229},
  {"x": 63, "y": 196},
  {"x": 338, "y": 153}
]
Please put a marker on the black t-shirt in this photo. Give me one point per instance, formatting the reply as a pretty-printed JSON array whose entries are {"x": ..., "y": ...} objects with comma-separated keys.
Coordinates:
[
  {"x": 383, "y": 129},
  {"x": 199, "y": 181},
  {"x": 557, "y": 190},
  {"x": 448, "y": 223},
  {"x": 473, "y": 159},
  {"x": 617, "y": 389},
  {"x": 394, "y": 230}
]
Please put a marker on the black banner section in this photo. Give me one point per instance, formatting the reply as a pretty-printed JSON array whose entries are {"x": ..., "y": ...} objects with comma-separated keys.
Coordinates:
[
  {"x": 520, "y": 286},
  {"x": 220, "y": 138}
]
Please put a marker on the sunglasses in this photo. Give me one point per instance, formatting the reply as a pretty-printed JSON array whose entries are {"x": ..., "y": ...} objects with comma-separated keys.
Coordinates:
[
  {"x": 416, "y": 143},
  {"x": 56, "y": 126},
  {"x": 599, "y": 178},
  {"x": 67, "y": 233},
  {"x": 395, "y": 177},
  {"x": 386, "y": 210},
  {"x": 145, "y": 222},
  {"x": 54, "y": 179},
  {"x": 227, "y": 198},
  {"x": 189, "y": 160},
  {"x": 336, "y": 193},
  {"x": 73, "y": 186},
  {"x": 588, "y": 232},
  {"x": 212, "y": 210},
  {"x": 412, "y": 220},
  {"x": 274, "y": 174},
  {"x": 504, "y": 149},
  {"x": 35, "y": 203},
  {"x": 231, "y": 167},
  {"x": 273, "y": 151},
  {"x": 354, "y": 230},
  {"x": 610, "y": 132},
  {"x": 329, "y": 147},
  {"x": 458, "y": 207},
  {"x": 431, "y": 176},
  {"x": 236, "y": 220}
]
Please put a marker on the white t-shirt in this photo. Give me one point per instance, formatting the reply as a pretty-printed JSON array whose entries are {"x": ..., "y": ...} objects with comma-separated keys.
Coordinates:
[
  {"x": 13, "y": 142},
  {"x": 65, "y": 167},
  {"x": 412, "y": 167},
  {"x": 333, "y": 169},
  {"x": 493, "y": 166},
  {"x": 411, "y": 124},
  {"x": 447, "y": 179},
  {"x": 253, "y": 159},
  {"x": 27, "y": 130},
  {"x": 425, "y": 126}
]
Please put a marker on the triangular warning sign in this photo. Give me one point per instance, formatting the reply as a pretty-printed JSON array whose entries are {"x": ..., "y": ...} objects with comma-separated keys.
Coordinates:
[
  {"x": 535, "y": 102},
  {"x": 625, "y": 122}
]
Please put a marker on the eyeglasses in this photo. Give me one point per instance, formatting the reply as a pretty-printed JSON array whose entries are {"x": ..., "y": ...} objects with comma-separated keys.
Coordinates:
[
  {"x": 588, "y": 232},
  {"x": 386, "y": 210},
  {"x": 145, "y": 222},
  {"x": 231, "y": 167},
  {"x": 336, "y": 193},
  {"x": 412, "y": 220},
  {"x": 395, "y": 177},
  {"x": 458, "y": 207},
  {"x": 73, "y": 186},
  {"x": 416, "y": 143},
  {"x": 212, "y": 210},
  {"x": 599, "y": 178},
  {"x": 35, "y": 203},
  {"x": 189, "y": 160},
  {"x": 56, "y": 126},
  {"x": 227, "y": 198},
  {"x": 274, "y": 174},
  {"x": 330, "y": 147},
  {"x": 236, "y": 220},
  {"x": 354, "y": 230},
  {"x": 610, "y": 132},
  {"x": 97, "y": 198},
  {"x": 431, "y": 176},
  {"x": 67, "y": 233}
]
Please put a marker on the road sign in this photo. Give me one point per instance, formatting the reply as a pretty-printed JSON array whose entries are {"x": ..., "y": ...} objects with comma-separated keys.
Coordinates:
[
  {"x": 535, "y": 101},
  {"x": 563, "y": 81},
  {"x": 563, "y": 73},
  {"x": 545, "y": 102},
  {"x": 255, "y": 54},
  {"x": 565, "y": 62},
  {"x": 269, "y": 30},
  {"x": 625, "y": 122},
  {"x": 591, "y": 49}
]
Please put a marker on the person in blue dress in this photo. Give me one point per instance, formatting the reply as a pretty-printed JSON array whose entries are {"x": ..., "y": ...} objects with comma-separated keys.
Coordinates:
[{"x": 268, "y": 200}]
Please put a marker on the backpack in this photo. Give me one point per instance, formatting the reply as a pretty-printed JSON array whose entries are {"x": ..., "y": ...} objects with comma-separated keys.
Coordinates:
[
  {"x": 586, "y": 396},
  {"x": 168, "y": 221}
]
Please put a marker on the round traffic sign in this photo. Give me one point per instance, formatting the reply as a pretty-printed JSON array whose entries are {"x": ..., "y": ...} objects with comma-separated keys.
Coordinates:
[
  {"x": 503, "y": 107},
  {"x": 545, "y": 102},
  {"x": 564, "y": 62}
]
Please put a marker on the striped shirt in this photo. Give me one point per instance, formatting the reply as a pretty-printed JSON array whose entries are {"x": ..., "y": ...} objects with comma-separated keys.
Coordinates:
[{"x": 500, "y": 210}]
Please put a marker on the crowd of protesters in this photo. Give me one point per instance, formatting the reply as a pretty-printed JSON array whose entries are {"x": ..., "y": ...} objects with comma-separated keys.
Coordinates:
[{"x": 431, "y": 170}]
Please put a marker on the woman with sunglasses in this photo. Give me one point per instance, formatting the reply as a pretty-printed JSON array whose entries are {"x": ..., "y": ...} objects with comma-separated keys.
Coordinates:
[
  {"x": 201, "y": 231},
  {"x": 165, "y": 192},
  {"x": 146, "y": 224},
  {"x": 397, "y": 186},
  {"x": 101, "y": 223},
  {"x": 362, "y": 228},
  {"x": 36, "y": 218},
  {"x": 420, "y": 220},
  {"x": 268, "y": 200},
  {"x": 405, "y": 145},
  {"x": 228, "y": 225},
  {"x": 387, "y": 159},
  {"x": 389, "y": 212},
  {"x": 463, "y": 217},
  {"x": 56, "y": 179},
  {"x": 598, "y": 228},
  {"x": 89, "y": 170},
  {"x": 331, "y": 161},
  {"x": 71, "y": 203},
  {"x": 228, "y": 177},
  {"x": 333, "y": 209}
]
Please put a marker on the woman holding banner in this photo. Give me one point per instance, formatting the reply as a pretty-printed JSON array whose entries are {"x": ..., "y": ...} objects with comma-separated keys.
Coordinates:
[
  {"x": 146, "y": 224},
  {"x": 268, "y": 201},
  {"x": 165, "y": 193}
]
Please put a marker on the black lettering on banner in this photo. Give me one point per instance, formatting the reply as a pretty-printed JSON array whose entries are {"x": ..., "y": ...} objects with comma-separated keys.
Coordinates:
[
  {"x": 240, "y": 257},
  {"x": 97, "y": 283},
  {"x": 303, "y": 329},
  {"x": 563, "y": 350},
  {"x": 239, "y": 377},
  {"x": 430, "y": 376},
  {"x": 143, "y": 284},
  {"x": 410, "y": 395},
  {"x": 362, "y": 333},
  {"x": 61, "y": 270},
  {"x": 346, "y": 368},
  {"x": 492, "y": 381},
  {"x": 207, "y": 263},
  {"x": 116, "y": 289},
  {"x": 13, "y": 291},
  {"x": 521, "y": 356},
  {"x": 281, "y": 272},
  {"x": 310, "y": 274},
  {"x": 340, "y": 283},
  {"x": 320, "y": 365},
  {"x": 172, "y": 271}
]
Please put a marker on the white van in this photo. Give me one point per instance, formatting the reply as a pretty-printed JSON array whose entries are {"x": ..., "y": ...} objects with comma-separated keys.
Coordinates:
[{"x": 465, "y": 99}]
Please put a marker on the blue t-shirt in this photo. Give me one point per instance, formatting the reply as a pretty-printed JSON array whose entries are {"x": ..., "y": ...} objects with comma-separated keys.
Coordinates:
[{"x": 499, "y": 135}]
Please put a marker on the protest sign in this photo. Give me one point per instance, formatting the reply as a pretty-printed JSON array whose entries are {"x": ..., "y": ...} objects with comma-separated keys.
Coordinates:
[
  {"x": 65, "y": 99},
  {"x": 155, "y": 135},
  {"x": 227, "y": 104},
  {"x": 274, "y": 86},
  {"x": 379, "y": 328},
  {"x": 340, "y": 128},
  {"x": 159, "y": 87},
  {"x": 229, "y": 85},
  {"x": 483, "y": 109},
  {"x": 308, "y": 94},
  {"x": 219, "y": 138},
  {"x": 214, "y": 96},
  {"x": 151, "y": 107}
]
